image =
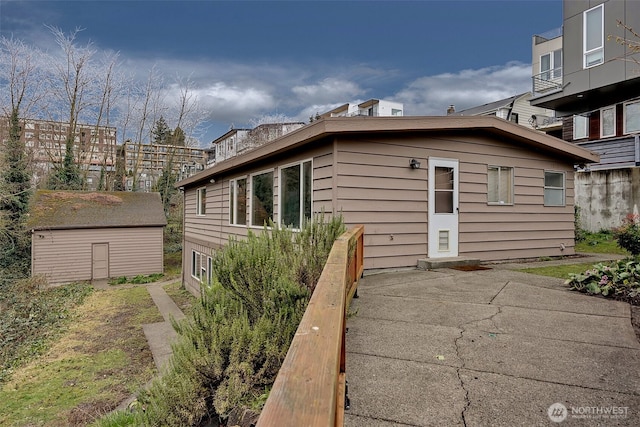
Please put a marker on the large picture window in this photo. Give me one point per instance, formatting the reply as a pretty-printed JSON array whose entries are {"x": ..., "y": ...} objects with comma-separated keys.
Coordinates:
[
  {"x": 201, "y": 201},
  {"x": 500, "y": 185},
  {"x": 554, "y": 188},
  {"x": 238, "y": 201},
  {"x": 262, "y": 199},
  {"x": 295, "y": 194},
  {"x": 593, "y": 37},
  {"x": 632, "y": 117}
]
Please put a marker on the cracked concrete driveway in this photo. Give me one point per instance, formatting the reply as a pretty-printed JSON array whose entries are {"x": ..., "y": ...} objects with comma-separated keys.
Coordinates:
[{"x": 488, "y": 348}]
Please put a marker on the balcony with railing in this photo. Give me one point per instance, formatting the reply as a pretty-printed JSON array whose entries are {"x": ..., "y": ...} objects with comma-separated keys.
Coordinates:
[{"x": 547, "y": 82}]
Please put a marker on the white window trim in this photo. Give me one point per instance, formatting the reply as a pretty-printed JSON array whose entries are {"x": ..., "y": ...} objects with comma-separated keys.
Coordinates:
[
  {"x": 195, "y": 254},
  {"x": 586, "y": 127},
  {"x": 585, "y": 53},
  {"x": 233, "y": 187},
  {"x": 512, "y": 171},
  {"x": 624, "y": 117},
  {"x": 199, "y": 203},
  {"x": 602, "y": 110},
  {"x": 564, "y": 188},
  {"x": 301, "y": 213},
  {"x": 250, "y": 204}
]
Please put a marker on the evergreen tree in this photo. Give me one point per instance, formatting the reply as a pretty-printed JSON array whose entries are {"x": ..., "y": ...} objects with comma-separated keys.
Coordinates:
[
  {"x": 178, "y": 137},
  {"x": 161, "y": 132},
  {"x": 15, "y": 190},
  {"x": 118, "y": 180},
  {"x": 165, "y": 186},
  {"x": 66, "y": 175}
]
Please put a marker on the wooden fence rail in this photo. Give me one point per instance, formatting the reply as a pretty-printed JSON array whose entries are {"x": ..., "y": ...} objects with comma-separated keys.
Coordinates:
[{"x": 310, "y": 387}]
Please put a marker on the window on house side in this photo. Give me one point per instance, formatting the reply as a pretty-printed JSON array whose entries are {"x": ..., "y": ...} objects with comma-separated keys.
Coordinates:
[
  {"x": 632, "y": 117},
  {"x": 593, "y": 37},
  {"x": 195, "y": 265},
  {"x": 209, "y": 270},
  {"x": 201, "y": 201},
  {"x": 608, "y": 122},
  {"x": 238, "y": 201},
  {"x": 554, "y": 188},
  {"x": 295, "y": 193},
  {"x": 500, "y": 185},
  {"x": 261, "y": 199},
  {"x": 580, "y": 127}
]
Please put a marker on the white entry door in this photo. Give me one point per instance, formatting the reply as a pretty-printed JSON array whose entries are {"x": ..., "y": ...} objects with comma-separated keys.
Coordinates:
[{"x": 443, "y": 208}]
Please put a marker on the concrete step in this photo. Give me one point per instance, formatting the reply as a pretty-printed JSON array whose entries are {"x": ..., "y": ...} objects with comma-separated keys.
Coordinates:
[{"x": 433, "y": 263}]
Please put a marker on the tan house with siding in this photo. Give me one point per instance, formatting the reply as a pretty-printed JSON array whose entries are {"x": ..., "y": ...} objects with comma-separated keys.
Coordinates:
[
  {"x": 78, "y": 236},
  {"x": 424, "y": 187}
]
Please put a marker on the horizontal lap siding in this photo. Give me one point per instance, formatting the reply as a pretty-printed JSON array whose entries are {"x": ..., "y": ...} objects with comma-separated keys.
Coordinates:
[
  {"x": 64, "y": 256},
  {"x": 377, "y": 188}
]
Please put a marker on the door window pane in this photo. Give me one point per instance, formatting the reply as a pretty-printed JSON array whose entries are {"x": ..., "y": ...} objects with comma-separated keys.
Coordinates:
[
  {"x": 443, "y": 190},
  {"x": 608, "y": 122}
]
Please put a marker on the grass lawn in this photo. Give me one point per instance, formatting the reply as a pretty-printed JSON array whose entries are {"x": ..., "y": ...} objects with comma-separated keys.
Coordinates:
[
  {"x": 602, "y": 243},
  {"x": 559, "y": 271},
  {"x": 183, "y": 298},
  {"x": 99, "y": 361}
]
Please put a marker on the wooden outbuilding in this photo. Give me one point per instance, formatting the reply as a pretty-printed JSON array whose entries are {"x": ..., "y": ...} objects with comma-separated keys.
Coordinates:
[{"x": 79, "y": 236}]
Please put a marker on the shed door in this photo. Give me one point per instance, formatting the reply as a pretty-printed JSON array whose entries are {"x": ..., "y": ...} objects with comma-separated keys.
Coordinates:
[
  {"x": 100, "y": 261},
  {"x": 443, "y": 208}
]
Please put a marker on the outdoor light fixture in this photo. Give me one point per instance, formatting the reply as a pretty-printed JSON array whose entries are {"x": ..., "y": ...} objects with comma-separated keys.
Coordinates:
[{"x": 414, "y": 164}]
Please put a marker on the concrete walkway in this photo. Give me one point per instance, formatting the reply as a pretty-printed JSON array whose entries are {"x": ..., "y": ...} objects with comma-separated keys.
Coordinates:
[
  {"x": 159, "y": 335},
  {"x": 488, "y": 348}
]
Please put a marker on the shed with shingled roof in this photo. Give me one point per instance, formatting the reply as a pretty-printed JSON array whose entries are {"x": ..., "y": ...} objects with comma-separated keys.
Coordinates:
[{"x": 79, "y": 235}]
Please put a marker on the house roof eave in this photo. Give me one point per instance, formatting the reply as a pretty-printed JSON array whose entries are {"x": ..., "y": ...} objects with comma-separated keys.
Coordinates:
[{"x": 348, "y": 125}]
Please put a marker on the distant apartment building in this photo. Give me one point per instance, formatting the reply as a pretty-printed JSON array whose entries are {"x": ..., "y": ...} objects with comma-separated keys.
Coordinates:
[
  {"x": 591, "y": 80},
  {"x": 144, "y": 163},
  {"x": 516, "y": 109},
  {"x": 372, "y": 107},
  {"x": 238, "y": 141},
  {"x": 94, "y": 147}
]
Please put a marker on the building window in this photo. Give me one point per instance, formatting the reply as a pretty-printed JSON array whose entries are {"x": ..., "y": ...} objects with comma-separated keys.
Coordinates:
[
  {"x": 513, "y": 117},
  {"x": 238, "y": 201},
  {"x": 261, "y": 199},
  {"x": 608, "y": 122},
  {"x": 209, "y": 270},
  {"x": 396, "y": 112},
  {"x": 295, "y": 194},
  {"x": 632, "y": 117},
  {"x": 500, "y": 185},
  {"x": 554, "y": 188},
  {"x": 551, "y": 65},
  {"x": 580, "y": 127},
  {"x": 201, "y": 201},
  {"x": 195, "y": 265},
  {"x": 593, "y": 37}
]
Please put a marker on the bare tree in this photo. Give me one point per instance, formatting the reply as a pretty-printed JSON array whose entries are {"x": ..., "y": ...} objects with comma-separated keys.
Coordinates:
[
  {"x": 72, "y": 80},
  {"x": 18, "y": 72}
]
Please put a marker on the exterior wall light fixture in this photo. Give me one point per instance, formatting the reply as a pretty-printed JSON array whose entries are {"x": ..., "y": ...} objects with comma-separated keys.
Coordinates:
[{"x": 414, "y": 164}]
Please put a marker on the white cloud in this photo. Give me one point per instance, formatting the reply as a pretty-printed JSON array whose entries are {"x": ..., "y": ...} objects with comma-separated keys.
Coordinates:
[
  {"x": 234, "y": 103},
  {"x": 327, "y": 90},
  {"x": 431, "y": 95}
]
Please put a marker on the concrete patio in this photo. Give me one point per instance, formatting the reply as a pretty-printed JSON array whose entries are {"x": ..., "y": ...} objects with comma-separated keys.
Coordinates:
[{"x": 488, "y": 348}]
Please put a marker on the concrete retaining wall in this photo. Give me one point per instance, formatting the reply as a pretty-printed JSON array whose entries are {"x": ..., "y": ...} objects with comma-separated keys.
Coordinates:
[{"x": 605, "y": 197}]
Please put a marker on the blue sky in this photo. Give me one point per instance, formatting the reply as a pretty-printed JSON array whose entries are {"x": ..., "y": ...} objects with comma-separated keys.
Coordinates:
[{"x": 249, "y": 59}]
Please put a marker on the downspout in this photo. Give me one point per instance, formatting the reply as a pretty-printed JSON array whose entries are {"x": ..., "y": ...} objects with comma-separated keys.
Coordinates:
[{"x": 184, "y": 216}]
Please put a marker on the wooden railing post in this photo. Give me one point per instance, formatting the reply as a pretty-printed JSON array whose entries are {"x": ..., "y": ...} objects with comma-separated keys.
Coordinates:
[{"x": 311, "y": 384}]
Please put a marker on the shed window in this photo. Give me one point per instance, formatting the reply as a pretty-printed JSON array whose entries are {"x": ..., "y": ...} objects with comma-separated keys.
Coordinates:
[
  {"x": 201, "y": 201},
  {"x": 554, "y": 188},
  {"x": 632, "y": 117},
  {"x": 295, "y": 194},
  {"x": 238, "y": 201},
  {"x": 262, "y": 199},
  {"x": 500, "y": 185}
]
